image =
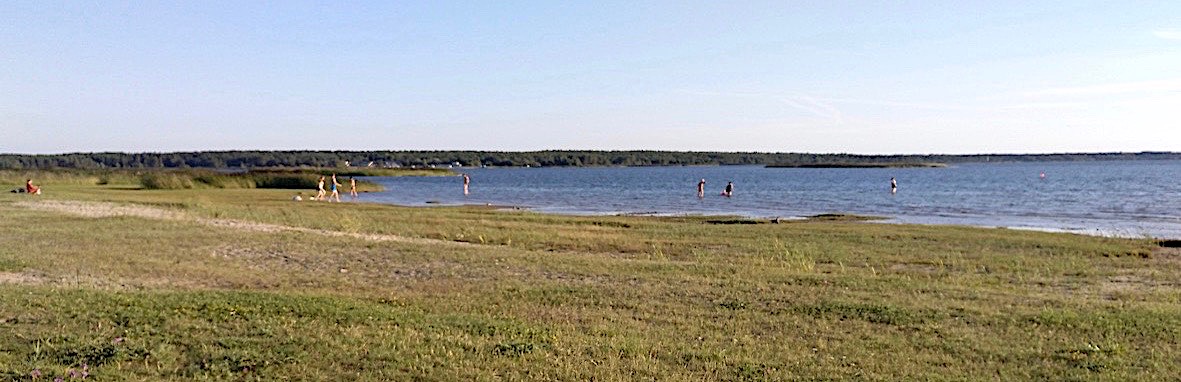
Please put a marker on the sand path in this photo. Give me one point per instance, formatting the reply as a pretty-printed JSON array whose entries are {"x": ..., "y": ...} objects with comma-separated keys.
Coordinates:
[{"x": 105, "y": 209}]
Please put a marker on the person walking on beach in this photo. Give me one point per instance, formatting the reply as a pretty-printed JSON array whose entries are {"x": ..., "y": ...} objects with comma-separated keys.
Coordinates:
[
  {"x": 335, "y": 189},
  {"x": 701, "y": 188},
  {"x": 353, "y": 187},
  {"x": 320, "y": 189},
  {"x": 729, "y": 191},
  {"x": 893, "y": 185},
  {"x": 466, "y": 181}
]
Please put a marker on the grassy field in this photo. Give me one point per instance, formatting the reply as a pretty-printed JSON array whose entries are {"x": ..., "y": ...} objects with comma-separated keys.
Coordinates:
[
  {"x": 124, "y": 283},
  {"x": 189, "y": 178}
]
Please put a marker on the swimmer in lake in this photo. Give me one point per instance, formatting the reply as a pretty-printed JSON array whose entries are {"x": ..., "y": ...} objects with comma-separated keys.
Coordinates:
[
  {"x": 729, "y": 191},
  {"x": 893, "y": 185},
  {"x": 701, "y": 188}
]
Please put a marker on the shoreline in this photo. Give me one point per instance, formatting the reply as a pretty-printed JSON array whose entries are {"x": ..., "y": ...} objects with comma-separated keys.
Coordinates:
[
  {"x": 857, "y": 165},
  {"x": 934, "y": 221}
]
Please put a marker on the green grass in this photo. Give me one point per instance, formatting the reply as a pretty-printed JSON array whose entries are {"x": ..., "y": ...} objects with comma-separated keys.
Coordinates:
[
  {"x": 481, "y": 294},
  {"x": 212, "y": 335},
  {"x": 205, "y": 179},
  {"x": 181, "y": 179},
  {"x": 72, "y": 177}
]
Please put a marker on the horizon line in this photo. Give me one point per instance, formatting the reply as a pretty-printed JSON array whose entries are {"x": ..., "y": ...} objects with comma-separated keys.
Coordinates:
[{"x": 1064, "y": 153}]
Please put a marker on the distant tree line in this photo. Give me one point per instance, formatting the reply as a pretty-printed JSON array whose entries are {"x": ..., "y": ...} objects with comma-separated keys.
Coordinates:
[{"x": 257, "y": 159}]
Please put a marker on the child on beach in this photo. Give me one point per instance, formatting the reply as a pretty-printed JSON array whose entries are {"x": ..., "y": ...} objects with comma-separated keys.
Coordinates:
[
  {"x": 320, "y": 191},
  {"x": 353, "y": 187}
]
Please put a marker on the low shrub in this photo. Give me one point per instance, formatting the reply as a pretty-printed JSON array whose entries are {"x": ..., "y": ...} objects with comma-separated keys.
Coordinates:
[
  {"x": 178, "y": 180},
  {"x": 284, "y": 181},
  {"x": 160, "y": 180},
  {"x": 226, "y": 180}
]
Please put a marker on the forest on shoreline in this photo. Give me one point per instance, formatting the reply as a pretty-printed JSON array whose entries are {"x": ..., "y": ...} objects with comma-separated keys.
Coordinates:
[{"x": 555, "y": 158}]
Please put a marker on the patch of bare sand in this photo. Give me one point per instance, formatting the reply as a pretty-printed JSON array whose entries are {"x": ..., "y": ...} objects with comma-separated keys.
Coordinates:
[
  {"x": 100, "y": 209},
  {"x": 1165, "y": 261},
  {"x": 919, "y": 268},
  {"x": 275, "y": 228},
  {"x": 1136, "y": 283},
  {"x": 1167, "y": 254},
  {"x": 20, "y": 278},
  {"x": 104, "y": 209}
]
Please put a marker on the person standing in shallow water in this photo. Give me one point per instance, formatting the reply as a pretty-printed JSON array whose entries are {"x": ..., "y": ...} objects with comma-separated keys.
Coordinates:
[
  {"x": 729, "y": 191},
  {"x": 466, "y": 181},
  {"x": 335, "y": 189},
  {"x": 353, "y": 187},
  {"x": 701, "y": 188},
  {"x": 893, "y": 185}
]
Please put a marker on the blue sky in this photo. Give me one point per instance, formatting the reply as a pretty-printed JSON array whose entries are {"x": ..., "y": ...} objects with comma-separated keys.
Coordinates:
[{"x": 833, "y": 76}]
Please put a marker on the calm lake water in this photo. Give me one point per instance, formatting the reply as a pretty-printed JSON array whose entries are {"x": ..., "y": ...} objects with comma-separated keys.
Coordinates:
[{"x": 1124, "y": 198}]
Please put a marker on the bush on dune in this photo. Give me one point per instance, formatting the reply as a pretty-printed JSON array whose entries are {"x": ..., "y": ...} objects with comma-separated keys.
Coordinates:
[
  {"x": 67, "y": 177},
  {"x": 225, "y": 181},
  {"x": 166, "y": 181},
  {"x": 178, "y": 180},
  {"x": 171, "y": 179},
  {"x": 292, "y": 181}
]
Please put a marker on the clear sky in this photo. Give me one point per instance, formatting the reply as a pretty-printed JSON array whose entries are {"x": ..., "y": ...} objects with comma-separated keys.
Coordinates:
[{"x": 824, "y": 76}]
